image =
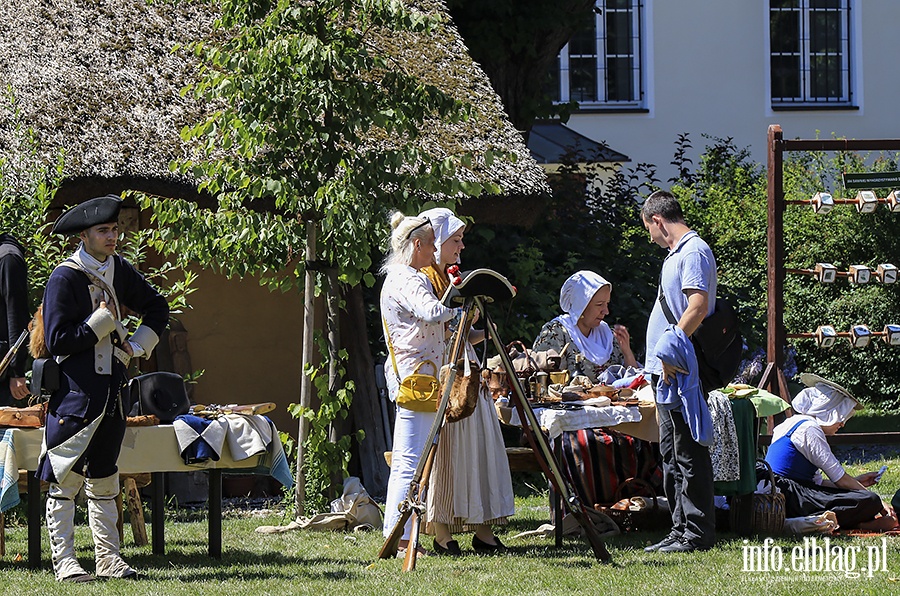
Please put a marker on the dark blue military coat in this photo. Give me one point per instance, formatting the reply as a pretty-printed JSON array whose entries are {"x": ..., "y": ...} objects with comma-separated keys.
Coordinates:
[{"x": 84, "y": 394}]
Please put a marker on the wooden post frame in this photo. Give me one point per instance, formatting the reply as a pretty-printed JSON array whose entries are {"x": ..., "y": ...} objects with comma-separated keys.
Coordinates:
[{"x": 774, "y": 379}]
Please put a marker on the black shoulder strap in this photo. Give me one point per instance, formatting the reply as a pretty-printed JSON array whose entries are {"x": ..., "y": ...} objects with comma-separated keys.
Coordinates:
[{"x": 670, "y": 316}]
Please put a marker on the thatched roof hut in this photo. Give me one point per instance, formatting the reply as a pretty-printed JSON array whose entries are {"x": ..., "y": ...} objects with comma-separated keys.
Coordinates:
[{"x": 100, "y": 81}]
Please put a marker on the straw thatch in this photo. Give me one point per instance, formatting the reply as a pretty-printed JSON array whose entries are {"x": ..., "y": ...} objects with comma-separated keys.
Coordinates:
[{"x": 99, "y": 80}]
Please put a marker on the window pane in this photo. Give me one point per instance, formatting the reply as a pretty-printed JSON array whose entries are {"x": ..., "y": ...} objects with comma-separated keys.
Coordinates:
[
  {"x": 786, "y": 77},
  {"x": 619, "y": 82},
  {"x": 826, "y": 3},
  {"x": 584, "y": 42},
  {"x": 583, "y": 79},
  {"x": 610, "y": 4},
  {"x": 785, "y": 32},
  {"x": 825, "y": 32},
  {"x": 826, "y": 77},
  {"x": 784, "y": 3},
  {"x": 618, "y": 32}
]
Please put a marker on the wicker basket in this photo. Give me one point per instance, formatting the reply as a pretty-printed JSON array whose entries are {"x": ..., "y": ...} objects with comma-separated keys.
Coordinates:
[{"x": 758, "y": 513}]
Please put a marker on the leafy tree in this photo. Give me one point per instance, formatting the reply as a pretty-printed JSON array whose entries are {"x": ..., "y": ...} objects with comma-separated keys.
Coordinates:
[{"x": 313, "y": 119}]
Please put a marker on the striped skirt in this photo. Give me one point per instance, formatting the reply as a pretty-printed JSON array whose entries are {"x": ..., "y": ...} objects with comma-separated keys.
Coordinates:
[{"x": 598, "y": 461}]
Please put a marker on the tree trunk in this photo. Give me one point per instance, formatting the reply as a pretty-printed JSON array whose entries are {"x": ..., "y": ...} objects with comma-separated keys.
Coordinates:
[
  {"x": 339, "y": 425},
  {"x": 306, "y": 386},
  {"x": 366, "y": 409}
]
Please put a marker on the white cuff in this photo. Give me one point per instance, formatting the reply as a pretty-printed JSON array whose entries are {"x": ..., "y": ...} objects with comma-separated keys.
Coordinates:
[
  {"x": 102, "y": 322},
  {"x": 146, "y": 338},
  {"x": 136, "y": 350}
]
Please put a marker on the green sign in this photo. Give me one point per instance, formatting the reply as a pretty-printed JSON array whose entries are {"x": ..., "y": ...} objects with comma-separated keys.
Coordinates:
[{"x": 872, "y": 180}]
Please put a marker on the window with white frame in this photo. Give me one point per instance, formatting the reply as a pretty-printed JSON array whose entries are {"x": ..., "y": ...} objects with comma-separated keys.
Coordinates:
[
  {"x": 601, "y": 64},
  {"x": 809, "y": 42}
]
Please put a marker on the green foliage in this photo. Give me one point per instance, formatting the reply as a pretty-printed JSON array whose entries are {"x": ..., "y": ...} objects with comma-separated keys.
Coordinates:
[
  {"x": 592, "y": 222},
  {"x": 312, "y": 119},
  {"x": 725, "y": 201},
  {"x": 27, "y": 187},
  {"x": 843, "y": 238},
  {"x": 324, "y": 457}
]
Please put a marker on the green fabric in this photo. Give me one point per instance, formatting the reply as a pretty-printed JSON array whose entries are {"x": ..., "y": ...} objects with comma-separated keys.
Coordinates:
[
  {"x": 744, "y": 414},
  {"x": 768, "y": 404}
]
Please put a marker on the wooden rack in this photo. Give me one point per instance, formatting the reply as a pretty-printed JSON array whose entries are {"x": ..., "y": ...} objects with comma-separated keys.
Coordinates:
[{"x": 773, "y": 377}]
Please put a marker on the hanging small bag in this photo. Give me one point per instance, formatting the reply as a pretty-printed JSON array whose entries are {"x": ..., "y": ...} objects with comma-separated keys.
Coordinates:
[
  {"x": 420, "y": 392},
  {"x": 465, "y": 390}
]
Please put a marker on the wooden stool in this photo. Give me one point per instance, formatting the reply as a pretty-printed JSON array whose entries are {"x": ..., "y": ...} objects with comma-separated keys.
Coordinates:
[{"x": 130, "y": 485}]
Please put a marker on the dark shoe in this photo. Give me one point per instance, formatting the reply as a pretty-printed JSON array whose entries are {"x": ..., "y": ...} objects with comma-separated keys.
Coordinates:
[
  {"x": 131, "y": 575},
  {"x": 683, "y": 546},
  {"x": 451, "y": 550},
  {"x": 482, "y": 547},
  {"x": 81, "y": 578},
  {"x": 667, "y": 541}
]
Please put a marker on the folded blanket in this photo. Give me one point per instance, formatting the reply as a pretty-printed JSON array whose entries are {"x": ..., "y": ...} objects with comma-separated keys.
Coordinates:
[{"x": 199, "y": 439}]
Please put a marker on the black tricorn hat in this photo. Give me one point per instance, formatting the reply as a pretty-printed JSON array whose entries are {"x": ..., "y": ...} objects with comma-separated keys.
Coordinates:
[
  {"x": 485, "y": 283},
  {"x": 162, "y": 394},
  {"x": 96, "y": 211}
]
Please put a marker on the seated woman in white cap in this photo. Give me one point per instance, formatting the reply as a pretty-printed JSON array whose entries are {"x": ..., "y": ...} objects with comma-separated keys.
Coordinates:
[
  {"x": 593, "y": 345},
  {"x": 799, "y": 451}
]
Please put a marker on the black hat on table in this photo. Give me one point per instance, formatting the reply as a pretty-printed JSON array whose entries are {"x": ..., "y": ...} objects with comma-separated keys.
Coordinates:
[{"x": 93, "y": 212}]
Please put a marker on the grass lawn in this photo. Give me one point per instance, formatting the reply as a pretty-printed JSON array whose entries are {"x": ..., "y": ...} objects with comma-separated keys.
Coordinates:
[{"x": 319, "y": 563}]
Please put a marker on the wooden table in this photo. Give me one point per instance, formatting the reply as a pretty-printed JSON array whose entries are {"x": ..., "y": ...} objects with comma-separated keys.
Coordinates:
[{"x": 151, "y": 449}]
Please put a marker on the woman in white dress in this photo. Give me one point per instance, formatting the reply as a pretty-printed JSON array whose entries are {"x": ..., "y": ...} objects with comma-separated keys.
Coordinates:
[
  {"x": 414, "y": 322},
  {"x": 470, "y": 489}
]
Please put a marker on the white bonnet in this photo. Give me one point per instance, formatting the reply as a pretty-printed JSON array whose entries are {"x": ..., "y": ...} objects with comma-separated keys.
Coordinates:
[
  {"x": 445, "y": 224},
  {"x": 578, "y": 290},
  {"x": 824, "y": 400}
]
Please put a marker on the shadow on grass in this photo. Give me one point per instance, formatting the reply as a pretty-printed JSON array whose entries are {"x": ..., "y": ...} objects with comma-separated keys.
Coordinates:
[{"x": 199, "y": 567}]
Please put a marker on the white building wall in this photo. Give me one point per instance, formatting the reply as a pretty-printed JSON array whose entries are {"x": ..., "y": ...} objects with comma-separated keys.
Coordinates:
[{"x": 707, "y": 72}]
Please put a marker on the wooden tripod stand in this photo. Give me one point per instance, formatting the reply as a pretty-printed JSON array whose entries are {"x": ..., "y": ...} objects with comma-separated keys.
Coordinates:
[{"x": 541, "y": 448}]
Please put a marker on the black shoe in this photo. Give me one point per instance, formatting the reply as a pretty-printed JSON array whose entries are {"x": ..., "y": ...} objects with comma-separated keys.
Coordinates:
[
  {"x": 80, "y": 578},
  {"x": 667, "y": 541},
  {"x": 451, "y": 550},
  {"x": 482, "y": 547},
  {"x": 683, "y": 546}
]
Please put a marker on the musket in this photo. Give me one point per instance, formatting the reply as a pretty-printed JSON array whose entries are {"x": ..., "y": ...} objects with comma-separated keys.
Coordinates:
[
  {"x": 214, "y": 411},
  {"x": 12, "y": 351}
]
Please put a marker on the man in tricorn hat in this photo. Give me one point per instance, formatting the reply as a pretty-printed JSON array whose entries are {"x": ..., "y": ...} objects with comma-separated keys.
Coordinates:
[{"x": 85, "y": 423}]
